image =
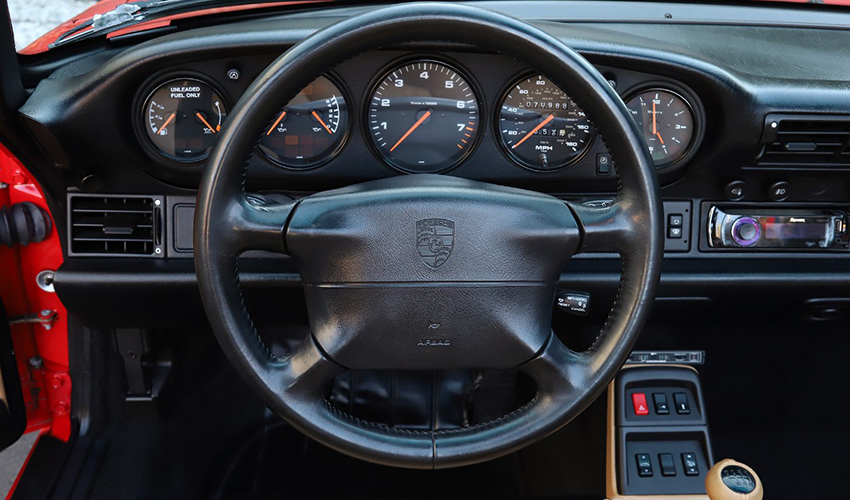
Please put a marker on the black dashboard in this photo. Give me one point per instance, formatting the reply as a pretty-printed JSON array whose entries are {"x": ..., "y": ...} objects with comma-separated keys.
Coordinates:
[{"x": 758, "y": 106}]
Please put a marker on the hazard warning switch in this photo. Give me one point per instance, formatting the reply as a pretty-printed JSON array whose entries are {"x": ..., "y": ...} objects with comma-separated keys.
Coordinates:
[{"x": 639, "y": 402}]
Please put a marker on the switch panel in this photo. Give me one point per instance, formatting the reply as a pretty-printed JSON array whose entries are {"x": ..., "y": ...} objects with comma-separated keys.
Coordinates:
[{"x": 677, "y": 230}]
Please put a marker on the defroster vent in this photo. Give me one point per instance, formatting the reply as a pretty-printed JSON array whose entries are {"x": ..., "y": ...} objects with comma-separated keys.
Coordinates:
[
  {"x": 115, "y": 225},
  {"x": 806, "y": 141}
]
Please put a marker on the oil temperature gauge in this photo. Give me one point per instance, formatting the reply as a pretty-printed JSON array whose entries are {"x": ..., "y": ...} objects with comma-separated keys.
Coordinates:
[
  {"x": 310, "y": 129},
  {"x": 182, "y": 118}
]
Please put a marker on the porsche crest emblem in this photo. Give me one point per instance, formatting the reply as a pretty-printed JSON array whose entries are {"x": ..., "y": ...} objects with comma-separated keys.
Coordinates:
[{"x": 435, "y": 239}]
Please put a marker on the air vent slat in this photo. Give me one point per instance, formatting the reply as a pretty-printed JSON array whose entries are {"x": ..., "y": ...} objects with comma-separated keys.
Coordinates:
[
  {"x": 114, "y": 225},
  {"x": 817, "y": 141}
]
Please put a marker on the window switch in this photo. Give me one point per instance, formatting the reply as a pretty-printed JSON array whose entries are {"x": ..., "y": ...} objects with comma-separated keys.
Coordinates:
[
  {"x": 643, "y": 465},
  {"x": 668, "y": 468},
  {"x": 639, "y": 403},
  {"x": 675, "y": 220},
  {"x": 683, "y": 407},
  {"x": 660, "y": 401},
  {"x": 689, "y": 462}
]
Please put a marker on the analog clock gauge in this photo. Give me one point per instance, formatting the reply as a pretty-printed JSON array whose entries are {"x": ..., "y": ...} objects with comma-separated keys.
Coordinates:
[
  {"x": 423, "y": 116},
  {"x": 667, "y": 122}
]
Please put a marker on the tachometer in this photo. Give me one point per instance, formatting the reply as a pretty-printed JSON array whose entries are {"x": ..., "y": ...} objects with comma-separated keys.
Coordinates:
[
  {"x": 310, "y": 130},
  {"x": 667, "y": 122},
  {"x": 540, "y": 126},
  {"x": 182, "y": 118},
  {"x": 423, "y": 117}
]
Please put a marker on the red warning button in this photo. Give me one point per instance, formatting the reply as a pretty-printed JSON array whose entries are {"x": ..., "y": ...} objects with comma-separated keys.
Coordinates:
[{"x": 639, "y": 402}]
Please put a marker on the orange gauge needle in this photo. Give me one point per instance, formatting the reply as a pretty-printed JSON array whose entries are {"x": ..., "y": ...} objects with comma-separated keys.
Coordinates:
[
  {"x": 654, "y": 129},
  {"x": 316, "y": 116},
  {"x": 535, "y": 129},
  {"x": 162, "y": 128},
  {"x": 414, "y": 127},
  {"x": 659, "y": 138},
  {"x": 279, "y": 118},
  {"x": 201, "y": 117}
]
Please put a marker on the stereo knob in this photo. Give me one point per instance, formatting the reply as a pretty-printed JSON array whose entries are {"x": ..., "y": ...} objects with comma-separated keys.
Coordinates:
[{"x": 746, "y": 231}]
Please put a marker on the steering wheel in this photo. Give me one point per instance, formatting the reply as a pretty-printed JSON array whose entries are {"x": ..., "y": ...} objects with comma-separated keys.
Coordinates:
[{"x": 375, "y": 303}]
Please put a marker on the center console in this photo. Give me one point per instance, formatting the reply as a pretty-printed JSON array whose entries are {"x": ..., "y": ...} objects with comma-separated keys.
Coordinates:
[{"x": 658, "y": 439}]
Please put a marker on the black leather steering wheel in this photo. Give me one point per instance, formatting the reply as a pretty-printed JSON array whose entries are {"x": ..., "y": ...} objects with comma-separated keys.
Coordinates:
[{"x": 373, "y": 300}]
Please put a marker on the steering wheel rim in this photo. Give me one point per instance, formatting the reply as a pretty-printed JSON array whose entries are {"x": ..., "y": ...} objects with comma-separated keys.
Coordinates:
[{"x": 227, "y": 225}]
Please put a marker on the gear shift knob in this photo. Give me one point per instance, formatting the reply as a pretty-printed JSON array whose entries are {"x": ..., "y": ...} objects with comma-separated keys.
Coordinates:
[{"x": 731, "y": 480}]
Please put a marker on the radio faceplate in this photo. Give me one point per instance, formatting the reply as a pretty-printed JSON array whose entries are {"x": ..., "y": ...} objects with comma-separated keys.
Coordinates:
[{"x": 777, "y": 229}]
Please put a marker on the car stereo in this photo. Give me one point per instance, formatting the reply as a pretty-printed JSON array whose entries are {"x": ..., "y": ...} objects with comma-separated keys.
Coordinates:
[{"x": 776, "y": 229}]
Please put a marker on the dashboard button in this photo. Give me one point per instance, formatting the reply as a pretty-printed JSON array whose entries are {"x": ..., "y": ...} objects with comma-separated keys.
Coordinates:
[
  {"x": 659, "y": 399},
  {"x": 675, "y": 220},
  {"x": 779, "y": 191},
  {"x": 683, "y": 407},
  {"x": 603, "y": 164},
  {"x": 736, "y": 190},
  {"x": 668, "y": 468},
  {"x": 639, "y": 403},
  {"x": 674, "y": 233}
]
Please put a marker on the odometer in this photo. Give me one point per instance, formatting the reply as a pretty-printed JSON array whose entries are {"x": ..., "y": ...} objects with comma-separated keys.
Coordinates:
[
  {"x": 182, "y": 118},
  {"x": 540, "y": 126},
  {"x": 423, "y": 117}
]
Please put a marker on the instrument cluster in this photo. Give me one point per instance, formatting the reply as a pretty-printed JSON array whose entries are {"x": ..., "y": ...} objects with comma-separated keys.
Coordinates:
[{"x": 419, "y": 116}]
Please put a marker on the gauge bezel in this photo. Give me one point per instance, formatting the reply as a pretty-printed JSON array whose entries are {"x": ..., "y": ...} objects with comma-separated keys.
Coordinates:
[
  {"x": 147, "y": 90},
  {"x": 497, "y": 134},
  {"x": 349, "y": 104},
  {"x": 693, "y": 104},
  {"x": 385, "y": 71}
]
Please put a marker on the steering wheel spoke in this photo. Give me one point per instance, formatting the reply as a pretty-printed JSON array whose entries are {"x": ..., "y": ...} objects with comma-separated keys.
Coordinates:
[
  {"x": 612, "y": 228},
  {"x": 252, "y": 226}
]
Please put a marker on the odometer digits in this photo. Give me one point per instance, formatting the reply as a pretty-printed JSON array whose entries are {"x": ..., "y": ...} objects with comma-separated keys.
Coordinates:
[
  {"x": 540, "y": 126},
  {"x": 423, "y": 117}
]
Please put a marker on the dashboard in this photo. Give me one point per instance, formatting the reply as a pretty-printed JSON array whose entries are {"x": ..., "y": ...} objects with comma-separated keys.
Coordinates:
[{"x": 740, "y": 119}]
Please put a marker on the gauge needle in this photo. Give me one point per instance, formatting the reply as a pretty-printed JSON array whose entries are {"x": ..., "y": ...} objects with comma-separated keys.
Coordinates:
[
  {"x": 166, "y": 123},
  {"x": 659, "y": 138},
  {"x": 316, "y": 115},
  {"x": 410, "y": 131},
  {"x": 535, "y": 129},
  {"x": 201, "y": 117},
  {"x": 279, "y": 118},
  {"x": 654, "y": 129}
]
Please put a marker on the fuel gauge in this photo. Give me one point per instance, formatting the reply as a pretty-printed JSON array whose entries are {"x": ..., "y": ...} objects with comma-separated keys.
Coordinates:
[{"x": 182, "y": 118}]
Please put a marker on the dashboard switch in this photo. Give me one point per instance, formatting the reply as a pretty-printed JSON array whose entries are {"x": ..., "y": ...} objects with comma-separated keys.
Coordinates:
[
  {"x": 668, "y": 468},
  {"x": 674, "y": 233},
  {"x": 603, "y": 164},
  {"x": 644, "y": 465},
  {"x": 736, "y": 190},
  {"x": 683, "y": 406},
  {"x": 779, "y": 191},
  {"x": 573, "y": 302},
  {"x": 675, "y": 220},
  {"x": 689, "y": 462},
  {"x": 639, "y": 403},
  {"x": 659, "y": 399}
]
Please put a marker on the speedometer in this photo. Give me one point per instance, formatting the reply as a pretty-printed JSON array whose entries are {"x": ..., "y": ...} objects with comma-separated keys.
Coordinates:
[
  {"x": 540, "y": 126},
  {"x": 423, "y": 117}
]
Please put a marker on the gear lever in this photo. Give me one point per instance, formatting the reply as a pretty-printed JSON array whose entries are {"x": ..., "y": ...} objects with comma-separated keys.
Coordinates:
[{"x": 731, "y": 480}]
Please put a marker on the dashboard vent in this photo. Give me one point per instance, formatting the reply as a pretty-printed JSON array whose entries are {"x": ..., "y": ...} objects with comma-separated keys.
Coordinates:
[
  {"x": 115, "y": 225},
  {"x": 809, "y": 141}
]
